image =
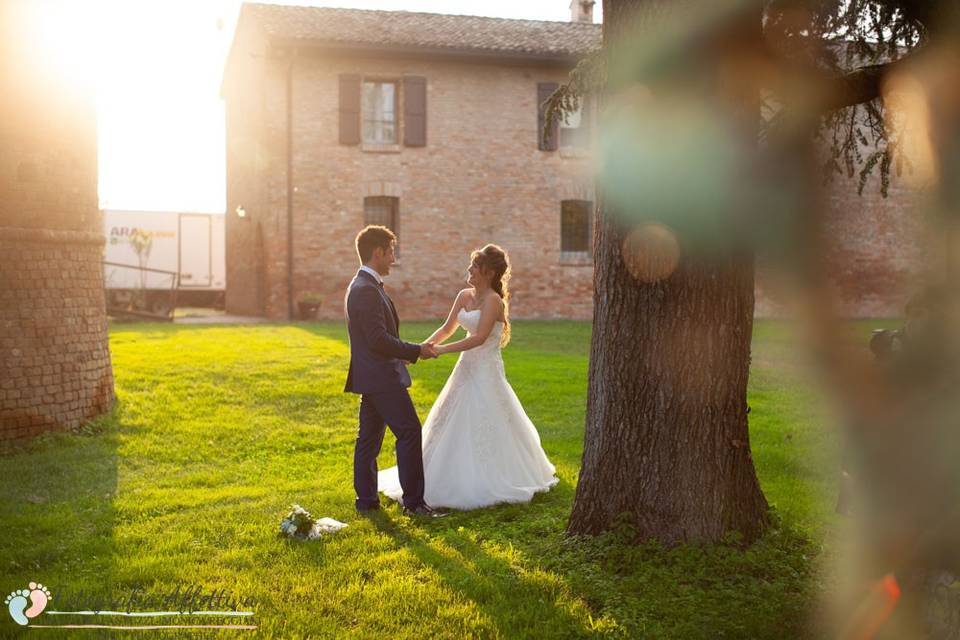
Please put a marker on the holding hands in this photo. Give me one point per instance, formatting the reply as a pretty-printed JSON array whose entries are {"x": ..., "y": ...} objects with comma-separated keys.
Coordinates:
[{"x": 428, "y": 350}]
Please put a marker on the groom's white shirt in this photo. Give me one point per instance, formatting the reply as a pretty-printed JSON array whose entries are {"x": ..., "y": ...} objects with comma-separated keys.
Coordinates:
[{"x": 372, "y": 272}]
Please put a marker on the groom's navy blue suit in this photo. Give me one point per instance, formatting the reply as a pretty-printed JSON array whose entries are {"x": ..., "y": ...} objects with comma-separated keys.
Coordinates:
[{"x": 378, "y": 373}]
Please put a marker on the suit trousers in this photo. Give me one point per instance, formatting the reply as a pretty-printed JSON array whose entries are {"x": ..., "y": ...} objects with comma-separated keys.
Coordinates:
[{"x": 378, "y": 410}]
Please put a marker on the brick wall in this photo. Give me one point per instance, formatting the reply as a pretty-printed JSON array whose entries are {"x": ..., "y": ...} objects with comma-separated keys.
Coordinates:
[
  {"x": 479, "y": 179},
  {"x": 55, "y": 369},
  {"x": 877, "y": 253},
  {"x": 247, "y": 173},
  {"x": 877, "y": 250}
]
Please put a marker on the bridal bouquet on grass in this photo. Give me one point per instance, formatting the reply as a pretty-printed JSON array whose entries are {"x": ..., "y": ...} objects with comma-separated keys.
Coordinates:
[{"x": 300, "y": 525}]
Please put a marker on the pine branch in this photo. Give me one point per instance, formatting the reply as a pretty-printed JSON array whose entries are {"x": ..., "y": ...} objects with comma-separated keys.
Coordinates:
[{"x": 589, "y": 77}]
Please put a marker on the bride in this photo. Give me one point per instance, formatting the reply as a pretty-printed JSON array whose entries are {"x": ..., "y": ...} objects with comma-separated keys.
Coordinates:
[{"x": 479, "y": 446}]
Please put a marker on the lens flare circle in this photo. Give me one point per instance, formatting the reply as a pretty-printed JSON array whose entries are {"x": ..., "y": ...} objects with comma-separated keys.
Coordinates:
[{"x": 651, "y": 252}]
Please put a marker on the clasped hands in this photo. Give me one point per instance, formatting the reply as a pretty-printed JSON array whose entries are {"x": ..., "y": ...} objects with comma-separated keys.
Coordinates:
[{"x": 428, "y": 350}]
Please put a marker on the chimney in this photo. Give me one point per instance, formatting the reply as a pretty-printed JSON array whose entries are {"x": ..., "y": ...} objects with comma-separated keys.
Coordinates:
[{"x": 581, "y": 11}]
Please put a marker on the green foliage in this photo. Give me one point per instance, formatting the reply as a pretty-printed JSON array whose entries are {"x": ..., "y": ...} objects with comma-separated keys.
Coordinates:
[
  {"x": 588, "y": 78},
  {"x": 219, "y": 429},
  {"x": 142, "y": 243},
  {"x": 843, "y": 37},
  {"x": 847, "y": 37}
]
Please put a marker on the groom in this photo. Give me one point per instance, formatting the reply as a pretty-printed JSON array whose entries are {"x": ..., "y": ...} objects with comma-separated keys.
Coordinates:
[{"x": 378, "y": 372}]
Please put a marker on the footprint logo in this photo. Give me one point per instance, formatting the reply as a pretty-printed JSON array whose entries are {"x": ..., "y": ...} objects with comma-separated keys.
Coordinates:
[{"x": 17, "y": 602}]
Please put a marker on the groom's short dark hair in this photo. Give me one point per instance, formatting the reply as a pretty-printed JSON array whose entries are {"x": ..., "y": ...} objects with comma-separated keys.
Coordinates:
[{"x": 371, "y": 237}]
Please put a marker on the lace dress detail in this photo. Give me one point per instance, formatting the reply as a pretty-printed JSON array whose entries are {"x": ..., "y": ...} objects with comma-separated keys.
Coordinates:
[{"x": 479, "y": 446}]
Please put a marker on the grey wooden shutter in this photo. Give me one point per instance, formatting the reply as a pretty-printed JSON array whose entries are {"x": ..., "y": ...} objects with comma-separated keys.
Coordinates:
[
  {"x": 349, "y": 109},
  {"x": 544, "y": 91},
  {"x": 415, "y": 111}
]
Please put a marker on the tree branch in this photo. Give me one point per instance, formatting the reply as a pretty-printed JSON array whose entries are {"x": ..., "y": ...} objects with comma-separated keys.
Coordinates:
[{"x": 860, "y": 85}]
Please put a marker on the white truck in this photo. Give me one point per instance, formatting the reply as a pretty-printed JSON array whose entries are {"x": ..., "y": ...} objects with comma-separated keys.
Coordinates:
[{"x": 155, "y": 260}]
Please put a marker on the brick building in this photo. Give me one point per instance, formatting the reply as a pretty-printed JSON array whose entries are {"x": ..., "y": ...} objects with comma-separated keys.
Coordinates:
[
  {"x": 425, "y": 122},
  {"x": 877, "y": 249},
  {"x": 55, "y": 370},
  {"x": 429, "y": 123}
]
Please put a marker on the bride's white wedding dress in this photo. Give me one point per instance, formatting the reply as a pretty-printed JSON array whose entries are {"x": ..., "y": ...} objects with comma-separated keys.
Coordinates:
[{"x": 479, "y": 446}]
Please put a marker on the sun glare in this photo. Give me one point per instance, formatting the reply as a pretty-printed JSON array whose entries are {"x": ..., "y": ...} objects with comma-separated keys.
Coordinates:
[
  {"x": 63, "y": 36},
  {"x": 160, "y": 116},
  {"x": 156, "y": 68},
  {"x": 153, "y": 70}
]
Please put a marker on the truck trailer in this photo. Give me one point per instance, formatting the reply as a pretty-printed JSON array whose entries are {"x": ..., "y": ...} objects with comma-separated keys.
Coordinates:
[{"x": 157, "y": 259}]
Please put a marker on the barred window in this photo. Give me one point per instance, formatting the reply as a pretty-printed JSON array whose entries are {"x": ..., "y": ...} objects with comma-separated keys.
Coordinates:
[
  {"x": 575, "y": 229},
  {"x": 383, "y": 210},
  {"x": 380, "y": 112}
]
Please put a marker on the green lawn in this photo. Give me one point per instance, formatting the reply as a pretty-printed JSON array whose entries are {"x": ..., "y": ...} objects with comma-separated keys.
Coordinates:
[{"x": 218, "y": 429}]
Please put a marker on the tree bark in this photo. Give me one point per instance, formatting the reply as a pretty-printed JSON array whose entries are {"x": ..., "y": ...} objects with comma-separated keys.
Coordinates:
[
  {"x": 666, "y": 444},
  {"x": 666, "y": 438}
]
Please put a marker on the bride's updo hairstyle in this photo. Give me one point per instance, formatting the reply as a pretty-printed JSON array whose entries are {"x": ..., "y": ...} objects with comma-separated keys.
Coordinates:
[{"x": 493, "y": 258}]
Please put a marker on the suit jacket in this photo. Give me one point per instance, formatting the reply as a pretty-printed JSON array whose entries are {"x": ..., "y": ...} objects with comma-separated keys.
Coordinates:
[{"x": 376, "y": 350}]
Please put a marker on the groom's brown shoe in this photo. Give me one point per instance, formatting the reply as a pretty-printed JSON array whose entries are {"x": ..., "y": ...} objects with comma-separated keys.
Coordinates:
[{"x": 425, "y": 511}]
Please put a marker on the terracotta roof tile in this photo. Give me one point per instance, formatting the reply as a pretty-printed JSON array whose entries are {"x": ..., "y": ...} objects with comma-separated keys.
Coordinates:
[{"x": 329, "y": 26}]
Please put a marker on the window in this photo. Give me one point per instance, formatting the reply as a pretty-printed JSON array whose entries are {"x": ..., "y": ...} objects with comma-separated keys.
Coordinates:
[
  {"x": 574, "y": 129},
  {"x": 575, "y": 229},
  {"x": 383, "y": 210},
  {"x": 379, "y": 105}
]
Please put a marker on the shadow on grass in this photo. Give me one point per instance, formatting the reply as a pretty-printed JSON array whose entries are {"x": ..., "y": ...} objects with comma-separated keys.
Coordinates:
[
  {"x": 57, "y": 517},
  {"x": 516, "y": 602}
]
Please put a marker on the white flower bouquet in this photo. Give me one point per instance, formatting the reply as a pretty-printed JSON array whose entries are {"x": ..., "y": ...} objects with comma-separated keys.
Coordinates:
[{"x": 300, "y": 525}]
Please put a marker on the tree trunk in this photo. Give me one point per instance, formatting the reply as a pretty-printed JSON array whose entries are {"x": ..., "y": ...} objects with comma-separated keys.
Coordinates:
[
  {"x": 666, "y": 445},
  {"x": 666, "y": 438}
]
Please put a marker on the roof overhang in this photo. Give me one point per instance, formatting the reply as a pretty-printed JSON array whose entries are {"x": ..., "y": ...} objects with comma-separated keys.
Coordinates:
[{"x": 416, "y": 51}]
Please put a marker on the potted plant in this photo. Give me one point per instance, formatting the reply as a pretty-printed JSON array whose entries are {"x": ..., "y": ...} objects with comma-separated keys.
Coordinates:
[{"x": 309, "y": 305}]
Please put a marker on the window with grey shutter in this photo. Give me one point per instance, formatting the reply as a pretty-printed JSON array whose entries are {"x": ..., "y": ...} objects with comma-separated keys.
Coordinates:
[
  {"x": 349, "y": 109},
  {"x": 575, "y": 230},
  {"x": 385, "y": 211},
  {"x": 414, "y": 111},
  {"x": 544, "y": 91}
]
